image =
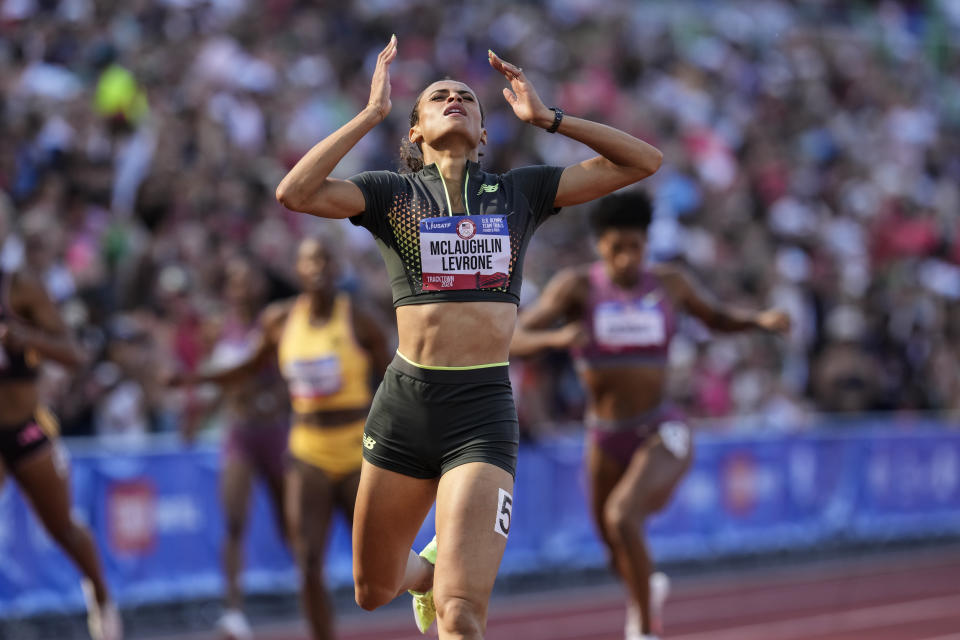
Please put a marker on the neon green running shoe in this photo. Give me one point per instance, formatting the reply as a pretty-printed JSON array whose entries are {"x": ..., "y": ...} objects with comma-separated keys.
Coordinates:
[{"x": 424, "y": 610}]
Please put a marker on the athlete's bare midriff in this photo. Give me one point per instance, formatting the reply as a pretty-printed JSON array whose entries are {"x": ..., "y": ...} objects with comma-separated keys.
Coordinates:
[
  {"x": 620, "y": 393},
  {"x": 18, "y": 402},
  {"x": 251, "y": 403},
  {"x": 456, "y": 334}
]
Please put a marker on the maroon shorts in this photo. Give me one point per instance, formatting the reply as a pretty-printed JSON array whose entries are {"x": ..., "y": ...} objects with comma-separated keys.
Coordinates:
[
  {"x": 262, "y": 447},
  {"x": 18, "y": 443},
  {"x": 620, "y": 439}
]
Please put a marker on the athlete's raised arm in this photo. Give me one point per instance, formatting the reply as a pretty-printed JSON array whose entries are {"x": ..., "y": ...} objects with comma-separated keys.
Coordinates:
[
  {"x": 698, "y": 303},
  {"x": 562, "y": 300},
  {"x": 308, "y": 187},
  {"x": 623, "y": 159},
  {"x": 43, "y": 329},
  {"x": 271, "y": 323}
]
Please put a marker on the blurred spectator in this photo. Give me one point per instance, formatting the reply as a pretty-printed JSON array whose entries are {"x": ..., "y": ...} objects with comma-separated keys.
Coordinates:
[{"x": 812, "y": 162}]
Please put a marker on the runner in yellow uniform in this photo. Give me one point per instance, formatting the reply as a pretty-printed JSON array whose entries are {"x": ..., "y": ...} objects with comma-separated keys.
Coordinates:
[
  {"x": 332, "y": 354},
  {"x": 327, "y": 372}
]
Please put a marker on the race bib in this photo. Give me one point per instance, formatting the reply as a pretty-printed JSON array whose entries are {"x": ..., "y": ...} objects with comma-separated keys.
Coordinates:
[
  {"x": 314, "y": 378},
  {"x": 619, "y": 324},
  {"x": 464, "y": 252}
]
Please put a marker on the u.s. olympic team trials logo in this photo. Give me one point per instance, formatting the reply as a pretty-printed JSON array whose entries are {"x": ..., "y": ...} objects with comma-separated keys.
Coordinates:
[{"x": 466, "y": 228}]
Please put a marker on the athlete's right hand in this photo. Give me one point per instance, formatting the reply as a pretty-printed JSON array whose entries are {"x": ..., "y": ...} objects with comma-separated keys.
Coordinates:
[
  {"x": 573, "y": 334},
  {"x": 380, "y": 85}
]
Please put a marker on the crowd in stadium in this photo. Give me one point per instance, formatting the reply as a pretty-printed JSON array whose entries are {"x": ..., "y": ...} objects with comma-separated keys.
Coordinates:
[{"x": 812, "y": 162}]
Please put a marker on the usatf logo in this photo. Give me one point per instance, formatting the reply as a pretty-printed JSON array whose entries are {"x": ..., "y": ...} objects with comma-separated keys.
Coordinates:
[
  {"x": 368, "y": 442},
  {"x": 488, "y": 188},
  {"x": 466, "y": 228}
]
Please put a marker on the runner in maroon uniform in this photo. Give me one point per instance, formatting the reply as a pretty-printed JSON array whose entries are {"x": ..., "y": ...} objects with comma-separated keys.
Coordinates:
[
  {"x": 621, "y": 318},
  {"x": 255, "y": 412}
]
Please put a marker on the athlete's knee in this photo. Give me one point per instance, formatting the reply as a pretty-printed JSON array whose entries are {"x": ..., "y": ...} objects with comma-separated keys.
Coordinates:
[
  {"x": 235, "y": 527},
  {"x": 459, "y": 616},
  {"x": 370, "y": 595},
  {"x": 621, "y": 522},
  {"x": 310, "y": 558}
]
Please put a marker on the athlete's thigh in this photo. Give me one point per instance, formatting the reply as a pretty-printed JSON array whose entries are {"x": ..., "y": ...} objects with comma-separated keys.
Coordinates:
[
  {"x": 346, "y": 495},
  {"x": 474, "y": 513},
  {"x": 390, "y": 507},
  {"x": 44, "y": 480},
  {"x": 236, "y": 480},
  {"x": 275, "y": 484},
  {"x": 604, "y": 473},
  {"x": 309, "y": 505},
  {"x": 652, "y": 475}
]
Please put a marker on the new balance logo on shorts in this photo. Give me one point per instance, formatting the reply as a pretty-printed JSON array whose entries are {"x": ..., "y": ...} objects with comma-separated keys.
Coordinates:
[{"x": 368, "y": 442}]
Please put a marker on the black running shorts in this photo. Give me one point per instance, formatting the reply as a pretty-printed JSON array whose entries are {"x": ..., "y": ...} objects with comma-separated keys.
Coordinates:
[
  {"x": 21, "y": 441},
  {"x": 424, "y": 422}
]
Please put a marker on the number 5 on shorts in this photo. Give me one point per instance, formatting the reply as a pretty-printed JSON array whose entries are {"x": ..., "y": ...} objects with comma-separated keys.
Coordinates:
[{"x": 504, "y": 513}]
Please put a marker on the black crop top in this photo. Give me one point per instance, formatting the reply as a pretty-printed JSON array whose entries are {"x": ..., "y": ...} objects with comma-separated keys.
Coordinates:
[
  {"x": 14, "y": 364},
  {"x": 434, "y": 255}
]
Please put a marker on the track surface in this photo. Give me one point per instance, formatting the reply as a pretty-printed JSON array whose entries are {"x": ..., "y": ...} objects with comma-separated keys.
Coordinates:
[{"x": 903, "y": 597}]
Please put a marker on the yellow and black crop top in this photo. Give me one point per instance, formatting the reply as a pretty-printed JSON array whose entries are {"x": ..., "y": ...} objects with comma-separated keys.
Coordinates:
[{"x": 435, "y": 255}]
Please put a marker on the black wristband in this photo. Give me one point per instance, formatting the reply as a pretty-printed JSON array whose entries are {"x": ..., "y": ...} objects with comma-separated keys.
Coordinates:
[{"x": 557, "y": 117}]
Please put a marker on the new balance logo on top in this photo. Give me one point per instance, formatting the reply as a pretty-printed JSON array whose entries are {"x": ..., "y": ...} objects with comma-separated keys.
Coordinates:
[
  {"x": 489, "y": 188},
  {"x": 369, "y": 442}
]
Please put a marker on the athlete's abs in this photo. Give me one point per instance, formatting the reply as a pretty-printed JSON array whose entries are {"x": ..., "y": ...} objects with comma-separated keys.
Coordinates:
[
  {"x": 18, "y": 402},
  {"x": 456, "y": 334},
  {"x": 620, "y": 393}
]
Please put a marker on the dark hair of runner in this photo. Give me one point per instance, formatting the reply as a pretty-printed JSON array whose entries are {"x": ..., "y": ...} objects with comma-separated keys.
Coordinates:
[
  {"x": 411, "y": 155},
  {"x": 631, "y": 210}
]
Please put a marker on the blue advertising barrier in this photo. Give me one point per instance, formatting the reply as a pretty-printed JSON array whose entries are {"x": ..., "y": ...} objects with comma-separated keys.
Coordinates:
[{"x": 158, "y": 522}]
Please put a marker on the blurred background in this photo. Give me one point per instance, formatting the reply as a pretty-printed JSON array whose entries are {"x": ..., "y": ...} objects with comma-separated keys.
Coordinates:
[{"x": 812, "y": 162}]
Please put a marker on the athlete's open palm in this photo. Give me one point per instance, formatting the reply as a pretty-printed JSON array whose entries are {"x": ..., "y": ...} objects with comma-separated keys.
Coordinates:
[
  {"x": 774, "y": 320},
  {"x": 523, "y": 97},
  {"x": 380, "y": 85}
]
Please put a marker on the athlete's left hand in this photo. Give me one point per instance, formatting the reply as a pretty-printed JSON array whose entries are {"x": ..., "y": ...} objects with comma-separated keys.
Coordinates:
[
  {"x": 773, "y": 320},
  {"x": 526, "y": 104},
  {"x": 12, "y": 334}
]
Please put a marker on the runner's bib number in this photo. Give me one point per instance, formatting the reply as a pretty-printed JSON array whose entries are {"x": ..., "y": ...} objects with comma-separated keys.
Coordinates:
[
  {"x": 618, "y": 324},
  {"x": 464, "y": 252},
  {"x": 314, "y": 378}
]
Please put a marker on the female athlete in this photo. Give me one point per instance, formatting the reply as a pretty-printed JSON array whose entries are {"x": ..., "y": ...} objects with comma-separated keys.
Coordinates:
[
  {"x": 331, "y": 354},
  {"x": 443, "y": 425},
  {"x": 255, "y": 430},
  {"x": 621, "y": 317},
  {"x": 31, "y": 329}
]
